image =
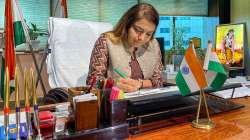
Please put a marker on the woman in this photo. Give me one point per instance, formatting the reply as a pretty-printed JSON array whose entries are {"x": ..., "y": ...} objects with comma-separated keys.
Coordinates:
[
  {"x": 130, "y": 48},
  {"x": 228, "y": 47}
]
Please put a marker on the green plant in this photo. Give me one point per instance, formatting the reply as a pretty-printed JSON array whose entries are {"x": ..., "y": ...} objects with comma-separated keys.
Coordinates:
[
  {"x": 178, "y": 37},
  {"x": 178, "y": 48},
  {"x": 35, "y": 32}
]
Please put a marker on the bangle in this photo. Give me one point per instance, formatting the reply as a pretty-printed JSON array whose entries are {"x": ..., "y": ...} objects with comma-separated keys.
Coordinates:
[{"x": 141, "y": 82}]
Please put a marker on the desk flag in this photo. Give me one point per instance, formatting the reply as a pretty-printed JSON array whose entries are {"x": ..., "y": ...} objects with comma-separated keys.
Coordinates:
[
  {"x": 190, "y": 77},
  {"x": 61, "y": 9},
  {"x": 16, "y": 33},
  {"x": 215, "y": 75}
]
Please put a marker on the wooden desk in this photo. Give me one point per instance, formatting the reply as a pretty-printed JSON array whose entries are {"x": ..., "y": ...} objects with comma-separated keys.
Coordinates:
[{"x": 232, "y": 125}]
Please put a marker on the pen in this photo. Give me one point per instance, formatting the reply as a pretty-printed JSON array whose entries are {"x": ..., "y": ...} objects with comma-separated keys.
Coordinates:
[
  {"x": 120, "y": 73},
  {"x": 35, "y": 106},
  {"x": 17, "y": 104},
  {"x": 6, "y": 102},
  {"x": 27, "y": 103}
]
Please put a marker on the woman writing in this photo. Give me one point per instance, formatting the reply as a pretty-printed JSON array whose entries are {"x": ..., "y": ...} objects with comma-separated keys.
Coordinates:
[{"x": 132, "y": 49}]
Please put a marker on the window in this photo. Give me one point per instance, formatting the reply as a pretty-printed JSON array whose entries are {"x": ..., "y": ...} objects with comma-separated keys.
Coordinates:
[
  {"x": 2, "y": 4},
  {"x": 186, "y": 27},
  {"x": 180, "y": 7},
  {"x": 83, "y": 9},
  {"x": 34, "y": 11},
  {"x": 99, "y": 10},
  {"x": 164, "y": 30},
  {"x": 38, "y": 11}
]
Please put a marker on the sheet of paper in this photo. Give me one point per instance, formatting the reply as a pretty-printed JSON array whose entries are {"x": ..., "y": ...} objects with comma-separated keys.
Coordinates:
[
  {"x": 144, "y": 92},
  {"x": 238, "y": 79},
  {"x": 239, "y": 92}
]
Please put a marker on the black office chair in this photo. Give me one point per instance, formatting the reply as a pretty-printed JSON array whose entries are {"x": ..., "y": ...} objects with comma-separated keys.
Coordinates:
[
  {"x": 56, "y": 95},
  {"x": 161, "y": 43}
]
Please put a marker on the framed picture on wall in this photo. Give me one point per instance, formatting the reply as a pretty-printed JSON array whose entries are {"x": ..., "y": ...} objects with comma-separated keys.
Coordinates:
[{"x": 230, "y": 44}]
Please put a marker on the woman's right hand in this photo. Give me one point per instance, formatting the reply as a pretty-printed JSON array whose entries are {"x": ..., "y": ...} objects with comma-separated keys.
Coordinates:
[{"x": 128, "y": 85}]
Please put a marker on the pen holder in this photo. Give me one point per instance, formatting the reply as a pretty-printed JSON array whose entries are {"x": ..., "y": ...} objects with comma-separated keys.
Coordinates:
[
  {"x": 86, "y": 115},
  {"x": 76, "y": 91},
  {"x": 81, "y": 107},
  {"x": 114, "y": 112}
]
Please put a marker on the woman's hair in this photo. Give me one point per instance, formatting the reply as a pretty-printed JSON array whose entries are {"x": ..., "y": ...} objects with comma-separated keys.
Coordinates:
[
  {"x": 135, "y": 13},
  {"x": 230, "y": 31}
]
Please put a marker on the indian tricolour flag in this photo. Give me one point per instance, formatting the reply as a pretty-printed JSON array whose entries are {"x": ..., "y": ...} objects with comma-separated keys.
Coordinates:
[
  {"x": 215, "y": 75},
  {"x": 190, "y": 77},
  {"x": 61, "y": 9},
  {"x": 16, "y": 33}
]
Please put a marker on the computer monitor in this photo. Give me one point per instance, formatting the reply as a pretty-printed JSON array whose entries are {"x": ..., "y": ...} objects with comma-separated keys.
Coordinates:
[{"x": 230, "y": 45}]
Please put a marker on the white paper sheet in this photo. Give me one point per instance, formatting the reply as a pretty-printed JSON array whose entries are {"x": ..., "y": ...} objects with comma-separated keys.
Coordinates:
[
  {"x": 145, "y": 92},
  {"x": 239, "y": 92}
]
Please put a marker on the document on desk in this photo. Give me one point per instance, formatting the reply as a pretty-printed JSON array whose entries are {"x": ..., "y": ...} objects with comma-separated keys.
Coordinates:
[
  {"x": 12, "y": 118},
  {"x": 239, "y": 79},
  {"x": 239, "y": 92},
  {"x": 144, "y": 92}
]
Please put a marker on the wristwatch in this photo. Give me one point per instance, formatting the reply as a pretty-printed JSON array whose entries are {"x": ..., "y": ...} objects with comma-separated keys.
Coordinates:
[{"x": 141, "y": 82}]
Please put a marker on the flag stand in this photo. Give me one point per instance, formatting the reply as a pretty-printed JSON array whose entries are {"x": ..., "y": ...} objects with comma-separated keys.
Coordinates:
[
  {"x": 38, "y": 70},
  {"x": 203, "y": 123}
]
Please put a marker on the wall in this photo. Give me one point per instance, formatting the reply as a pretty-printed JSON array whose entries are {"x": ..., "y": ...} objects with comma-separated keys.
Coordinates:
[
  {"x": 180, "y": 7},
  {"x": 25, "y": 61},
  {"x": 240, "y": 13}
]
